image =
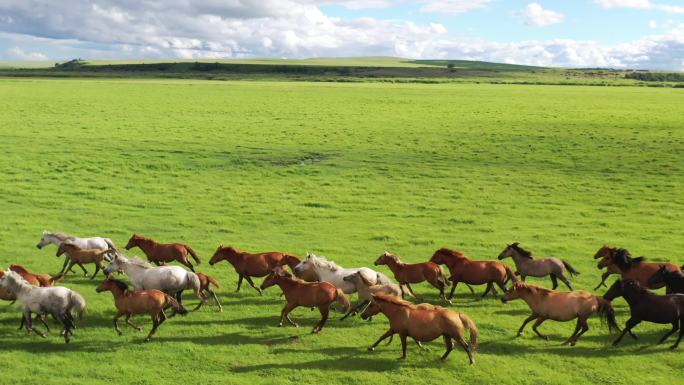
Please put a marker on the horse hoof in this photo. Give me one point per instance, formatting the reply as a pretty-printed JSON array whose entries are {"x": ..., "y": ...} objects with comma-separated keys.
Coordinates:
[
  {"x": 673, "y": 347},
  {"x": 146, "y": 340},
  {"x": 371, "y": 349},
  {"x": 402, "y": 358},
  {"x": 280, "y": 325}
]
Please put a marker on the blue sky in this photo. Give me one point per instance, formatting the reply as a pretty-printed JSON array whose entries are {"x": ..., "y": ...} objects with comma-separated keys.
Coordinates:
[{"x": 571, "y": 33}]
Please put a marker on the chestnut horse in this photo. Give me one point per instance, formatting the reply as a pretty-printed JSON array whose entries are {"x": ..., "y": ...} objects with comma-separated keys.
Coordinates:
[
  {"x": 160, "y": 253},
  {"x": 249, "y": 265},
  {"x": 610, "y": 269},
  {"x": 205, "y": 282},
  {"x": 307, "y": 294},
  {"x": 41, "y": 280},
  {"x": 632, "y": 268},
  {"x": 528, "y": 266},
  {"x": 423, "y": 323},
  {"x": 471, "y": 272},
  {"x": 406, "y": 274},
  {"x": 76, "y": 255},
  {"x": 561, "y": 306},
  {"x": 130, "y": 302}
]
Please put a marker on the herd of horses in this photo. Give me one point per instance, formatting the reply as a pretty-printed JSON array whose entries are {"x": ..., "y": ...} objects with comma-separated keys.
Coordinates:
[{"x": 315, "y": 282}]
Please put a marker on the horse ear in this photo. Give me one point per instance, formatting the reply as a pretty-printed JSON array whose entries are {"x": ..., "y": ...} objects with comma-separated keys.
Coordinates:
[{"x": 515, "y": 244}]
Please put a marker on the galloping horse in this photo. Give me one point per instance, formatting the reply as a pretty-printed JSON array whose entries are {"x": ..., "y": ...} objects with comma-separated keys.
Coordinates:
[
  {"x": 159, "y": 253},
  {"x": 673, "y": 280},
  {"x": 610, "y": 269},
  {"x": 406, "y": 273},
  {"x": 471, "y": 272},
  {"x": 328, "y": 271},
  {"x": 205, "y": 282},
  {"x": 366, "y": 291},
  {"x": 647, "y": 306},
  {"x": 307, "y": 294},
  {"x": 633, "y": 268},
  {"x": 527, "y": 266},
  {"x": 423, "y": 323},
  {"x": 249, "y": 265},
  {"x": 560, "y": 306},
  {"x": 84, "y": 243},
  {"x": 78, "y": 256}
]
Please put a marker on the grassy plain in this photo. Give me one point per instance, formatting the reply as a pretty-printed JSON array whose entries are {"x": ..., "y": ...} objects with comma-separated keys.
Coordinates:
[{"x": 347, "y": 171}]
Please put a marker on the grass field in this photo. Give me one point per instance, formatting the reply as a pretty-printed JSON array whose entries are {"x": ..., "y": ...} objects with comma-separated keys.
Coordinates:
[{"x": 347, "y": 171}]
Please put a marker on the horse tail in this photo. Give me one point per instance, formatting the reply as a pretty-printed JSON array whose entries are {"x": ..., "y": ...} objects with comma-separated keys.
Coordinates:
[
  {"x": 570, "y": 269},
  {"x": 343, "y": 300},
  {"x": 470, "y": 325},
  {"x": 178, "y": 308},
  {"x": 195, "y": 284},
  {"x": 77, "y": 303},
  {"x": 441, "y": 277},
  {"x": 55, "y": 278},
  {"x": 110, "y": 244},
  {"x": 606, "y": 312},
  {"x": 510, "y": 275},
  {"x": 212, "y": 281},
  {"x": 192, "y": 253}
]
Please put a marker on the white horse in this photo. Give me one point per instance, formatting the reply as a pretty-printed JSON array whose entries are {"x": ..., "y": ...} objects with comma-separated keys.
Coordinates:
[
  {"x": 55, "y": 300},
  {"x": 331, "y": 272},
  {"x": 169, "y": 279},
  {"x": 82, "y": 243}
]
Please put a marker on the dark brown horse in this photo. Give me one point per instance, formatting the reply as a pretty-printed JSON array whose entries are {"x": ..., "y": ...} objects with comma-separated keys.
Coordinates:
[
  {"x": 673, "y": 280},
  {"x": 406, "y": 273},
  {"x": 610, "y": 269},
  {"x": 633, "y": 268},
  {"x": 647, "y": 306},
  {"x": 249, "y": 265},
  {"x": 471, "y": 272},
  {"x": 307, "y": 294},
  {"x": 160, "y": 253}
]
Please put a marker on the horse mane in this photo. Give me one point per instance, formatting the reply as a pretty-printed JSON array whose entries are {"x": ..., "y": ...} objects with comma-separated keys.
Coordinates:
[
  {"x": 624, "y": 259},
  {"x": 139, "y": 262},
  {"x": 392, "y": 299},
  {"x": 58, "y": 234},
  {"x": 18, "y": 268},
  {"x": 451, "y": 252},
  {"x": 528, "y": 286},
  {"x": 521, "y": 251},
  {"x": 321, "y": 261},
  {"x": 120, "y": 284}
]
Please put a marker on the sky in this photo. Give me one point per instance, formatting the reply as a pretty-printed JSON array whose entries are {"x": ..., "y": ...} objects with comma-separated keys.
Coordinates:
[{"x": 643, "y": 34}]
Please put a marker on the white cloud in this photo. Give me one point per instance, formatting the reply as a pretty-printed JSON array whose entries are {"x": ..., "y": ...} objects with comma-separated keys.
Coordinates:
[
  {"x": 452, "y": 6},
  {"x": 653, "y": 24},
  {"x": 640, "y": 4},
  {"x": 16, "y": 53},
  {"x": 536, "y": 16}
]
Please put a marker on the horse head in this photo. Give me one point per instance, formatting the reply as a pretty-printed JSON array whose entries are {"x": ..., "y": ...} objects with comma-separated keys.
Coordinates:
[
  {"x": 116, "y": 264},
  {"x": 659, "y": 276},
  {"x": 514, "y": 292},
  {"x": 133, "y": 242}
]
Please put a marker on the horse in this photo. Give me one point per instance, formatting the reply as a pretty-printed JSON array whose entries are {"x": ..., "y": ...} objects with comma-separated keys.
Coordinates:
[
  {"x": 41, "y": 280},
  {"x": 57, "y": 238},
  {"x": 673, "y": 280},
  {"x": 55, "y": 300},
  {"x": 307, "y": 294},
  {"x": 169, "y": 279},
  {"x": 329, "y": 271},
  {"x": 366, "y": 291},
  {"x": 647, "y": 306},
  {"x": 463, "y": 269},
  {"x": 129, "y": 302},
  {"x": 634, "y": 268},
  {"x": 292, "y": 261},
  {"x": 560, "y": 306},
  {"x": 527, "y": 266},
  {"x": 76, "y": 255},
  {"x": 610, "y": 269},
  {"x": 160, "y": 253},
  {"x": 248, "y": 265},
  {"x": 423, "y": 323},
  {"x": 406, "y": 273},
  {"x": 205, "y": 282}
]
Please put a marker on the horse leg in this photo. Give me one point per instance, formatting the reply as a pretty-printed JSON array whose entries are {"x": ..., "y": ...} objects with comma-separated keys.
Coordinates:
[
  {"x": 98, "y": 266},
  {"x": 41, "y": 318},
  {"x": 501, "y": 285},
  {"x": 554, "y": 281},
  {"x": 402, "y": 337},
  {"x": 533, "y": 316},
  {"x": 213, "y": 294},
  {"x": 536, "y": 325},
  {"x": 572, "y": 337},
  {"x": 565, "y": 280},
  {"x": 251, "y": 283},
  {"x": 472, "y": 291},
  {"x": 411, "y": 290},
  {"x": 675, "y": 327},
  {"x": 69, "y": 267},
  {"x": 522, "y": 277},
  {"x": 29, "y": 324},
  {"x": 285, "y": 314},
  {"x": 155, "y": 325},
  {"x": 352, "y": 310},
  {"x": 388, "y": 333},
  {"x": 116, "y": 324},
  {"x": 85, "y": 272},
  {"x": 449, "y": 346},
  {"x": 631, "y": 322},
  {"x": 187, "y": 263},
  {"x": 604, "y": 276},
  {"x": 585, "y": 327},
  {"x": 325, "y": 310},
  {"x": 489, "y": 287},
  {"x": 453, "y": 288},
  {"x": 681, "y": 333},
  {"x": 239, "y": 283},
  {"x": 459, "y": 339},
  {"x": 64, "y": 267},
  {"x": 131, "y": 324}
]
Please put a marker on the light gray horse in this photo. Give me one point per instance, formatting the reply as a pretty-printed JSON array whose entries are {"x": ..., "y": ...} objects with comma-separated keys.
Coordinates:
[{"x": 527, "y": 266}]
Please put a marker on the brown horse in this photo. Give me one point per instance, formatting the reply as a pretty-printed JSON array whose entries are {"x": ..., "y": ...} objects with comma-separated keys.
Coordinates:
[
  {"x": 471, "y": 272},
  {"x": 423, "y": 323},
  {"x": 406, "y": 274},
  {"x": 610, "y": 269},
  {"x": 632, "y": 268},
  {"x": 205, "y": 281},
  {"x": 160, "y": 253},
  {"x": 307, "y": 294},
  {"x": 40, "y": 280},
  {"x": 79, "y": 256},
  {"x": 560, "y": 306},
  {"x": 249, "y": 265},
  {"x": 130, "y": 302}
]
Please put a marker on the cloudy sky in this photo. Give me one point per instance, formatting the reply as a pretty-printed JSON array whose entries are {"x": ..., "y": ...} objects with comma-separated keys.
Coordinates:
[{"x": 573, "y": 33}]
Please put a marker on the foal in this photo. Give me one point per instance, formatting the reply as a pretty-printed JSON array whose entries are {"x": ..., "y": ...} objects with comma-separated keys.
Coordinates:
[
  {"x": 406, "y": 274},
  {"x": 205, "y": 281},
  {"x": 647, "y": 306},
  {"x": 160, "y": 253},
  {"x": 307, "y": 294},
  {"x": 423, "y": 323},
  {"x": 129, "y": 302},
  {"x": 560, "y": 306},
  {"x": 79, "y": 256},
  {"x": 471, "y": 272},
  {"x": 673, "y": 280},
  {"x": 527, "y": 266}
]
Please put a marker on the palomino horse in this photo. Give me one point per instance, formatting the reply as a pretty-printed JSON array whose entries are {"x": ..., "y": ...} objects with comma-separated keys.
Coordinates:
[
  {"x": 329, "y": 271},
  {"x": 307, "y": 294},
  {"x": 423, "y": 323},
  {"x": 84, "y": 243},
  {"x": 366, "y": 291},
  {"x": 205, "y": 282},
  {"x": 633, "y": 268},
  {"x": 647, "y": 306},
  {"x": 406, "y": 273},
  {"x": 160, "y": 253},
  {"x": 79, "y": 256},
  {"x": 471, "y": 272},
  {"x": 248, "y": 265},
  {"x": 129, "y": 302},
  {"x": 169, "y": 279},
  {"x": 527, "y": 266},
  {"x": 55, "y": 300},
  {"x": 673, "y": 280},
  {"x": 560, "y": 306}
]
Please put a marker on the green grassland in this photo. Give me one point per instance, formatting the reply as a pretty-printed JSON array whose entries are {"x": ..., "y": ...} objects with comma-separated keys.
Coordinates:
[{"x": 347, "y": 171}]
